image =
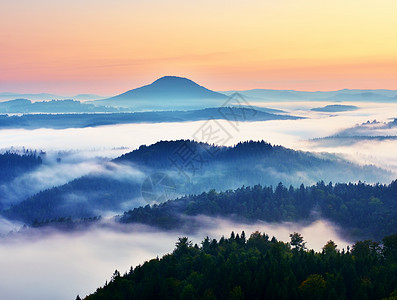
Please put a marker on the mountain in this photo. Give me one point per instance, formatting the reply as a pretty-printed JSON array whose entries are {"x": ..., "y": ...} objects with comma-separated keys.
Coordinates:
[
  {"x": 86, "y": 97},
  {"x": 169, "y": 169},
  {"x": 364, "y": 97},
  {"x": 335, "y": 108},
  {"x": 268, "y": 94},
  {"x": 368, "y": 131},
  {"x": 62, "y": 121},
  {"x": 40, "y": 96},
  {"x": 166, "y": 93},
  {"x": 258, "y": 95},
  {"x": 46, "y": 96},
  {"x": 384, "y": 92}
]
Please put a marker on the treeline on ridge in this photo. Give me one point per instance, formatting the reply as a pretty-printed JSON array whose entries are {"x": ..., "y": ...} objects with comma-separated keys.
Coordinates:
[
  {"x": 361, "y": 210},
  {"x": 206, "y": 166}
]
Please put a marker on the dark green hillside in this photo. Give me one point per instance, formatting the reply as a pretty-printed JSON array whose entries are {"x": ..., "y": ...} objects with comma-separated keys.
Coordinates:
[
  {"x": 361, "y": 210},
  {"x": 204, "y": 168},
  {"x": 261, "y": 268},
  {"x": 13, "y": 164}
]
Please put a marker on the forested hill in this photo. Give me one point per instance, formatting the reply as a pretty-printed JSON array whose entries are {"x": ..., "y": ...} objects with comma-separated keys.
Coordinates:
[
  {"x": 192, "y": 168},
  {"x": 261, "y": 268},
  {"x": 259, "y": 161},
  {"x": 13, "y": 164},
  {"x": 362, "y": 211}
]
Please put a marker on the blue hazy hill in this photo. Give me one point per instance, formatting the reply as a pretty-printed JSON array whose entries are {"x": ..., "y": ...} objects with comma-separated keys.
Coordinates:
[
  {"x": 82, "y": 120},
  {"x": 357, "y": 95},
  {"x": 54, "y": 106},
  {"x": 46, "y": 96},
  {"x": 210, "y": 167},
  {"x": 335, "y": 108},
  {"x": 168, "y": 91}
]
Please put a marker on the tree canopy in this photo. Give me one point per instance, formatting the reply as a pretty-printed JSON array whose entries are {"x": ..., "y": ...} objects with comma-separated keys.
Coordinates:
[{"x": 260, "y": 268}]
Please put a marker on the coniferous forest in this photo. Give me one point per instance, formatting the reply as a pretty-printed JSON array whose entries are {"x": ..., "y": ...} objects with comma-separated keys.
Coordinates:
[
  {"x": 362, "y": 211},
  {"x": 260, "y": 267},
  {"x": 209, "y": 167},
  {"x": 13, "y": 164}
]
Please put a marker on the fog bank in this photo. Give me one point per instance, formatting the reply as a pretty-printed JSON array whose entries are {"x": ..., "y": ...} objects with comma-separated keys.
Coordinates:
[{"x": 43, "y": 264}]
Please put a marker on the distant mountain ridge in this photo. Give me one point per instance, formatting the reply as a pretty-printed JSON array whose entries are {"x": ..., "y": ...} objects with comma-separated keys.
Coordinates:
[
  {"x": 355, "y": 95},
  {"x": 366, "y": 131},
  {"x": 18, "y": 106},
  {"x": 82, "y": 120},
  {"x": 335, "y": 108},
  {"x": 173, "y": 92},
  {"x": 46, "y": 96}
]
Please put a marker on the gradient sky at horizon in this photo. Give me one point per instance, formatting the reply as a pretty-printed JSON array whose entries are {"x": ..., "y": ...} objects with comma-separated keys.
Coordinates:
[{"x": 108, "y": 47}]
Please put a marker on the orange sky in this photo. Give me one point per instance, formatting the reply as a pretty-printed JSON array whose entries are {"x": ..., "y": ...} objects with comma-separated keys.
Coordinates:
[{"x": 107, "y": 47}]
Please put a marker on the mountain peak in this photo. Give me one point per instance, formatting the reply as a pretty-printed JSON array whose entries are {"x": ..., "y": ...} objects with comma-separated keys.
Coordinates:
[
  {"x": 165, "y": 92},
  {"x": 170, "y": 78},
  {"x": 177, "y": 82}
]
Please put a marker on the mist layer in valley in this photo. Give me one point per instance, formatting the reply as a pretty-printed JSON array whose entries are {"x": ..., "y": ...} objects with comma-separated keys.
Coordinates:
[
  {"x": 34, "y": 256},
  {"x": 191, "y": 168},
  {"x": 97, "y": 249}
]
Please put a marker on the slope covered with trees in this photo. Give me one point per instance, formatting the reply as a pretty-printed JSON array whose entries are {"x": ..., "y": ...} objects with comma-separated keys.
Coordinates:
[
  {"x": 13, "y": 164},
  {"x": 361, "y": 210},
  {"x": 261, "y": 268},
  {"x": 193, "y": 168}
]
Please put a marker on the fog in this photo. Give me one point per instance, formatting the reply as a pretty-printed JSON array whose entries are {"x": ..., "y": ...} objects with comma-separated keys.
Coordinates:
[
  {"x": 60, "y": 167},
  {"x": 78, "y": 263},
  {"x": 7, "y": 226},
  {"x": 289, "y": 133}
]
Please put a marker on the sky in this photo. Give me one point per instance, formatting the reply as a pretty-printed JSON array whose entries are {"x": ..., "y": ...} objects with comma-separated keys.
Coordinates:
[{"x": 108, "y": 47}]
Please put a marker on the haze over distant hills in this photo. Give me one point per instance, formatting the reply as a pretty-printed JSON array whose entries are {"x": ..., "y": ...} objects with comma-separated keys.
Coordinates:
[
  {"x": 355, "y": 95},
  {"x": 335, "y": 108},
  {"x": 181, "y": 91},
  {"x": 178, "y": 93},
  {"x": 366, "y": 131},
  {"x": 54, "y": 106},
  {"x": 46, "y": 96},
  {"x": 88, "y": 119}
]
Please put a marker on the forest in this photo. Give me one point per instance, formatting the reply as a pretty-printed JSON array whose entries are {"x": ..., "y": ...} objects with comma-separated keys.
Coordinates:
[
  {"x": 194, "y": 168},
  {"x": 362, "y": 211},
  {"x": 260, "y": 267},
  {"x": 13, "y": 164}
]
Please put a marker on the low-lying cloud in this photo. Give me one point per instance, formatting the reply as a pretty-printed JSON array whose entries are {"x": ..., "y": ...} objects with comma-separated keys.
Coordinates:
[
  {"x": 59, "y": 168},
  {"x": 53, "y": 265},
  {"x": 50, "y": 264}
]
